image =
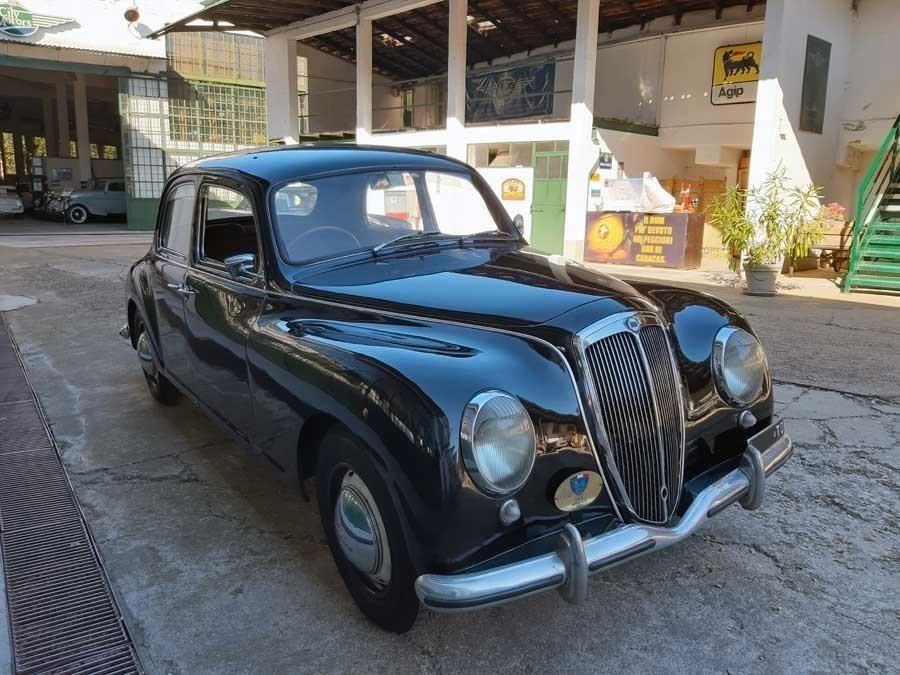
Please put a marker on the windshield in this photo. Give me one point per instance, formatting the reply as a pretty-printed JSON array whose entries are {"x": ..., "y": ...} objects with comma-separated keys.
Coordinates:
[{"x": 339, "y": 215}]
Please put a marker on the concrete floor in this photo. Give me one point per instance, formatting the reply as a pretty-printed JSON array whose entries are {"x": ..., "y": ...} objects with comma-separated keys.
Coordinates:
[{"x": 220, "y": 568}]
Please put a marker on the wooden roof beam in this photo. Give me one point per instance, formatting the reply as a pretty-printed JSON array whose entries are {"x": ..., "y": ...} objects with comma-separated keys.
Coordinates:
[
  {"x": 430, "y": 40},
  {"x": 500, "y": 27},
  {"x": 636, "y": 15},
  {"x": 676, "y": 9},
  {"x": 411, "y": 44},
  {"x": 560, "y": 16},
  {"x": 545, "y": 36}
]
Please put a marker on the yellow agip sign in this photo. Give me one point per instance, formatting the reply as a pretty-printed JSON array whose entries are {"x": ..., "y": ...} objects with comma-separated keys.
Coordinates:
[{"x": 736, "y": 73}]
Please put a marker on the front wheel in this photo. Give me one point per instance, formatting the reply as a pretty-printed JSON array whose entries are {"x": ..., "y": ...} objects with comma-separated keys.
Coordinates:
[
  {"x": 77, "y": 214},
  {"x": 160, "y": 387},
  {"x": 364, "y": 533}
]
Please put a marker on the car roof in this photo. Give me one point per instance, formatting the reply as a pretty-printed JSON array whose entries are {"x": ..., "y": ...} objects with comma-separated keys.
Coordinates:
[{"x": 286, "y": 162}]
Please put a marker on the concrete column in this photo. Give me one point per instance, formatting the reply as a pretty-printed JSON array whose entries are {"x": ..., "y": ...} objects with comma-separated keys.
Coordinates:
[
  {"x": 805, "y": 156},
  {"x": 282, "y": 107},
  {"x": 82, "y": 135},
  {"x": 769, "y": 117},
  {"x": 49, "y": 127},
  {"x": 364, "y": 81},
  {"x": 62, "y": 120},
  {"x": 21, "y": 169},
  {"x": 582, "y": 152},
  {"x": 456, "y": 79}
]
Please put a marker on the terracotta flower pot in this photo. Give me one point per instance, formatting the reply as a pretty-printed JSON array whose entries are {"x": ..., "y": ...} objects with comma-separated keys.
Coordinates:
[{"x": 761, "y": 279}]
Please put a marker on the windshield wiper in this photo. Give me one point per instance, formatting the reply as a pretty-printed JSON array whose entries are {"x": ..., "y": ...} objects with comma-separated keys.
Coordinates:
[
  {"x": 409, "y": 235},
  {"x": 487, "y": 235}
]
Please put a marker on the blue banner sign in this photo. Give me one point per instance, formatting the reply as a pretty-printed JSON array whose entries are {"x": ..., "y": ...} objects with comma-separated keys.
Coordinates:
[{"x": 526, "y": 91}]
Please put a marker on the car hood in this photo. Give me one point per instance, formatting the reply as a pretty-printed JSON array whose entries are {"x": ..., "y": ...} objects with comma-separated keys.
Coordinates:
[{"x": 491, "y": 286}]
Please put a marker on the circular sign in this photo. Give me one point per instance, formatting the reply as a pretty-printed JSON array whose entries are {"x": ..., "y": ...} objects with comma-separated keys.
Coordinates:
[{"x": 606, "y": 234}]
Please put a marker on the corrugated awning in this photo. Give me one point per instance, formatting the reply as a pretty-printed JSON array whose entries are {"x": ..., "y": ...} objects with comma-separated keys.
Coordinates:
[{"x": 414, "y": 44}]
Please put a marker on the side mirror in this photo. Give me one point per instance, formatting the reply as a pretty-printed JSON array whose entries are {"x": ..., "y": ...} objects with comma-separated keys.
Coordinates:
[
  {"x": 241, "y": 266},
  {"x": 519, "y": 222}
]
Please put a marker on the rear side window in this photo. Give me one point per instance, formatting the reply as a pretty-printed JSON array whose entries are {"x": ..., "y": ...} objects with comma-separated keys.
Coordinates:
[
  {"x": 116, "y": 187},
  {"x": 175, "y": 232},
  {"x": 229, "y": 227}
]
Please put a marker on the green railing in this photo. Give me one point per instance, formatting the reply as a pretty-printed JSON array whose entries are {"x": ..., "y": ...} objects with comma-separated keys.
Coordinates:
[{"x": 881, "y": 174}]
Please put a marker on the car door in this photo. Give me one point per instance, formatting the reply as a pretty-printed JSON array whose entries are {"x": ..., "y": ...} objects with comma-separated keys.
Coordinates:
[
  {"x": 222, "y": 309},
  {"x": 169, "y": 267},
  {"x": 115, "y": 198},
  {"x": 96, "y": 198}
]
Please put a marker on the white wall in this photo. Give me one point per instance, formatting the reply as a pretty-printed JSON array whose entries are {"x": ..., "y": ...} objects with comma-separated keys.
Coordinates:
[
  {"x": 873, "y": 95},
  {"x": 332, "y": 99},
  {"x": 687, "y": 80},
  {"x": 807, "y": 156},
  {"x": 628, "y": 81}
]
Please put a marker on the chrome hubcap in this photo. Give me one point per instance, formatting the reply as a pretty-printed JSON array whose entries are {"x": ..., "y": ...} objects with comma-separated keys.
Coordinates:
[
  {"x": 360, "y": 530},
  {"x": 145, "y": 354}
]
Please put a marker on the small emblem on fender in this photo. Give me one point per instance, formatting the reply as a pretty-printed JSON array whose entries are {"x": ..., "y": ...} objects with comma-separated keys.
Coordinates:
[{"x": 578, "y": 490}]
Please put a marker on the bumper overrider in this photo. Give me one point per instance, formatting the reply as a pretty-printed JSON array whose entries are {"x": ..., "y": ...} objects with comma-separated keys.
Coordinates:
[{"x": 568, "y": 568}]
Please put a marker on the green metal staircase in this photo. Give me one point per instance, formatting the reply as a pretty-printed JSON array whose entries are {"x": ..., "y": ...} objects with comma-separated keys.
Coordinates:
[{"x": 875, "y": 253}]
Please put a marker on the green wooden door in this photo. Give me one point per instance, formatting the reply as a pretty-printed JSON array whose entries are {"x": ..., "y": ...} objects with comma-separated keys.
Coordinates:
[{"x": 548, "y": 207}]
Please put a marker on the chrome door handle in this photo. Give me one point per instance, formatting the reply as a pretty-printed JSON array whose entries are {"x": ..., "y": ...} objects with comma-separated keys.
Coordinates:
[{"x": 182, "y": 289}]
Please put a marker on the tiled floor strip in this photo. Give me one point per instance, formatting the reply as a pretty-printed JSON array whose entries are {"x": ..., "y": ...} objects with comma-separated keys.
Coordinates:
[{"x": 62, "y": 614}]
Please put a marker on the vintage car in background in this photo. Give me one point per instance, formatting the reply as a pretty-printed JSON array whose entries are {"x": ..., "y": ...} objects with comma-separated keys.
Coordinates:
[
  {"x": 482, "y": 422},
  {"x": 10, "y": 202},
  {"x": 104, "y": 197}
]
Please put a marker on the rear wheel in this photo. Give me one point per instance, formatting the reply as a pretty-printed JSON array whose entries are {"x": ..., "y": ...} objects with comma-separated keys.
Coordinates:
[
  {"x": 77, "y": 214},
  {"x": 160, "y": 387},
  {"x": 364, "y": 533}
]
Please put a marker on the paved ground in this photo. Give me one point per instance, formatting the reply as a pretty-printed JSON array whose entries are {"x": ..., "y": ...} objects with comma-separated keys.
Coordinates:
[{"x": 221, "y": 569}]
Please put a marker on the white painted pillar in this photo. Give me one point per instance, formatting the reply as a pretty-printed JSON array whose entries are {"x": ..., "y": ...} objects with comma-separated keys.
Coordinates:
[
  {"x": 82, "y": 134},
  {"x": 364, "y": 81},
  {"x": 49, "y": 127},
  {"x": 282, "y": 107},
  {"x": 769, "y": 118},
  {"x": 582, "y": 152},
  {"x": 62, "y": 120},
  {"x": 456, "y": 79}
]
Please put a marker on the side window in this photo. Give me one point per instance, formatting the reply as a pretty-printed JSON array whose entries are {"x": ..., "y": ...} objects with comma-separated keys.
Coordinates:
[
  {"x": 229, "y": 227},
  {"x": 116, "y": 186},
  {"x": 175, "y": 230}
]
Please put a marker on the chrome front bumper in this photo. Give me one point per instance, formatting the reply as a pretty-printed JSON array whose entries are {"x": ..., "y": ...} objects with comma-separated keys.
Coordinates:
[{"x": 575, "y": 559}]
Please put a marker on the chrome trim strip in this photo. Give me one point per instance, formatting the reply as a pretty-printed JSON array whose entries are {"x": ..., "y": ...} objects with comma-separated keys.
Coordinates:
[
  {"x": 561, "y": 569},
  {"x": 502, "y": 331}
]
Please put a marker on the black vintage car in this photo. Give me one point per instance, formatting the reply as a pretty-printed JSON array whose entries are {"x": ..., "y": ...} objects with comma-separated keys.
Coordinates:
[{"x": 482, "y": 421}]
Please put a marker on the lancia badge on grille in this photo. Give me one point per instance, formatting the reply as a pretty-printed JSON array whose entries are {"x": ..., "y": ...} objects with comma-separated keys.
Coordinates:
[
  {"x": 578, "y": 490},
  {"x": 633, "y": 323}
]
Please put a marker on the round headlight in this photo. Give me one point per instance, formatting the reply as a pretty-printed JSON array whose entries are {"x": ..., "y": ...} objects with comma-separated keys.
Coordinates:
[
  {"x": 498, "y": 442},
  {"x": 739, "y": 365}
]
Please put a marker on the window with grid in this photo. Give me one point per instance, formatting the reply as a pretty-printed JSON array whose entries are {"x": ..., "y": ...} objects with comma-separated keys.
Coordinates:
[
  {"x": 220, "y": 114},
  {"x": 216, "y": 55}
]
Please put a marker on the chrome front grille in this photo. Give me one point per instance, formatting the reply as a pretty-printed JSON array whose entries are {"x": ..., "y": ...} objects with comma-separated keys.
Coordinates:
[{"x": 637, "y": 396}]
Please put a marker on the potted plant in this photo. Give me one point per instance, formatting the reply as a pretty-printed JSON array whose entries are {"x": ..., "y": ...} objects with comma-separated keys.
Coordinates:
[{"x": 766, "y": 224}]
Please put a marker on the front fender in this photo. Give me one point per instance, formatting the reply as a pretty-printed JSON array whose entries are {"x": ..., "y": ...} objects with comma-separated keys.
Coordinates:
[
  {"x": 139, "y": 291},
  {"x": 695, "y": 319},
  {"x": 401, "y": 385}
]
